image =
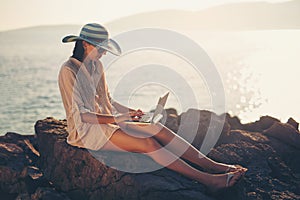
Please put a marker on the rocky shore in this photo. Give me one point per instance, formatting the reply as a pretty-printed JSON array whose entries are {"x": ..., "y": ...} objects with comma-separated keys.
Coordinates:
[{"x": 44, "y": 166}]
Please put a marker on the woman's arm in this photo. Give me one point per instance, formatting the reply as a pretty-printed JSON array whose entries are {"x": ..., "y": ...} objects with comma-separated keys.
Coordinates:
[
  {"x": 121, "y": 108},
  {"x": 96, "y": 118}
]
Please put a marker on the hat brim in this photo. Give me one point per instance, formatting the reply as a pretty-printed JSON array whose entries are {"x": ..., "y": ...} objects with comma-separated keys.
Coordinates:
[{"x": 109, "y": 45}]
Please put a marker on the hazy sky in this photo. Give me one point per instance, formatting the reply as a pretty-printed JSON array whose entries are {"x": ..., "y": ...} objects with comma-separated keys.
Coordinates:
[{"x": 23, "y": 13}]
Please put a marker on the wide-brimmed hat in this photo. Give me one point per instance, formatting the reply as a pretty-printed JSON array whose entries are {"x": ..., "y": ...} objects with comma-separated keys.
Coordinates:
[{"x": 96, "y": 35}]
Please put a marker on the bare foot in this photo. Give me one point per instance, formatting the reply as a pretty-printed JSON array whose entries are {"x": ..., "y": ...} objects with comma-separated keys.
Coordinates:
[
  {"x": 233, "y": 168},
  {"x": 224, "y": 168},
  {"x": 219, "y": 182}
]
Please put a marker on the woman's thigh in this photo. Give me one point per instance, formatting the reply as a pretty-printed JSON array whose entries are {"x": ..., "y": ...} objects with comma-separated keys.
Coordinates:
[
  {"x": 124, "y": 141},
  {"x": 143, "y": 129}
]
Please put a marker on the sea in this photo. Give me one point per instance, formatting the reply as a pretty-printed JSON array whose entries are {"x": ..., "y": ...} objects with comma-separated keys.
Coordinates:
[{"x": 258, "y": 72}]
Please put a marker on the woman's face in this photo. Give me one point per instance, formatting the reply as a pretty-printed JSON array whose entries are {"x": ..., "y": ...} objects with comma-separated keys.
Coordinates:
[{"x": 92, "y": 52}]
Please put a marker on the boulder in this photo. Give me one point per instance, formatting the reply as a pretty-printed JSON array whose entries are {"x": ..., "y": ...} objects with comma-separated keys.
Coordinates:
[
  {"x": 172, "y": 120},
  {"x": 269, "y": 175},
  {"x": 18, "y": 171},
  {"x": 83, "y": 174},
  {"x": 202, "y": 128},
  {"x": 292, "y": 122},
  {"x": 44, "y": 193},
  {"x": 284, "y": 132},
  {"x": 46, "y": 167},
  {"x": 233, "y": 121},
  {"x": 262, "y": 124}
]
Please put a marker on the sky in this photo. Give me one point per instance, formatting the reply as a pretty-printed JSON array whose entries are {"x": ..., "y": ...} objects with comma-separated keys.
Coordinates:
[{"x": 16, "y": 14}]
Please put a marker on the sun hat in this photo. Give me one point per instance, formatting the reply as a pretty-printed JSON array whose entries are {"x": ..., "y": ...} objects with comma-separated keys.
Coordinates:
[{"x": 96, "y": 35}]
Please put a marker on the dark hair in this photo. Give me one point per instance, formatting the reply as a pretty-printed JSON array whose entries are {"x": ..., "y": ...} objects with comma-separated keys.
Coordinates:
[{"x": 78, "y": 51}]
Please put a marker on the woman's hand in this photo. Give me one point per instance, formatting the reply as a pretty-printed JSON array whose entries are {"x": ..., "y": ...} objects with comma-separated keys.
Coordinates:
[
  {"x": 133, "y": 115},
  {"x": 136, "y": 113}
]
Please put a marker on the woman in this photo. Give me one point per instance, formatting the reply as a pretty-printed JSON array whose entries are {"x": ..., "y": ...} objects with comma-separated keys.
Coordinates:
[{"x": 91, "y": 123}]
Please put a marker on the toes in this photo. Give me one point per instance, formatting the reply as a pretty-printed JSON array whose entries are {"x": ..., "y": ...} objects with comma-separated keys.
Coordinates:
[
  {"x": 234, "y": 168},
  {"x": 233, "y": 178}
]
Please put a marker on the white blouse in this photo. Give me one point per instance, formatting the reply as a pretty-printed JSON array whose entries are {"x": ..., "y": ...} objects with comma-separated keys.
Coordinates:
[{"x": 83, "y": 89}]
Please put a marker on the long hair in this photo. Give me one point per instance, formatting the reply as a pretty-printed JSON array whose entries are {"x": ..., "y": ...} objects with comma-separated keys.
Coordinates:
[{"x": 78, "y": 51}]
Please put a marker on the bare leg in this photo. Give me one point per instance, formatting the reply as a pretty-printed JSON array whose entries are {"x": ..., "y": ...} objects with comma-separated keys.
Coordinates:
[
  {"x": 180, "y": 147},
  {"x": 121, "y": 141}
]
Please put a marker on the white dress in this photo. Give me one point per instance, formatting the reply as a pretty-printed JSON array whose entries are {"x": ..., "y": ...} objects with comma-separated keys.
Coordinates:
[{"x": 83, "y": 89}]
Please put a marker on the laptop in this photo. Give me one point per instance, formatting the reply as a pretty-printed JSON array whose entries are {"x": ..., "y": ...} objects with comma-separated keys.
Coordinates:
[{"x": 157, "y": 115}]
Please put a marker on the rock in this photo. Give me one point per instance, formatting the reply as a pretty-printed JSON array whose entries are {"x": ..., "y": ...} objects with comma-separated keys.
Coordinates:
[
  {"x": 234, "y": 122},
  {"x": 292, "y": 122},
  {"x": 23, "y": 196},
  {"x": 48, "y": 194},
  {"x": 172, "y": 121},
  {"x": 288, "y": 153},
  {"x": 17, "y": 157},
  {"x": 80, "y": 175},
  {"x": 269, "y": 175},
  {"x": 43, "y": 193},
  {"x": 202, "y": 128},
  {"x": 46, "y": 167},
  {"x": 284, "y": 132},
  {"x": 262, "y": 124},
  {"x": 240, "y": 135}
]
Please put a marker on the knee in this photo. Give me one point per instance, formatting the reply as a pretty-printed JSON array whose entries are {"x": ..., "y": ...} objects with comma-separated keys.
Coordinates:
[{"x": 150, "y": 145}]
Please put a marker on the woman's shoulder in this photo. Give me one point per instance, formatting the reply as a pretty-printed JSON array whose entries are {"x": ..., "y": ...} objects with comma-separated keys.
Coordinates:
[
  {"x": 98, "y": 63},
  {"x": 99, "y": 66},
  {"x": 70, "y": 66}
]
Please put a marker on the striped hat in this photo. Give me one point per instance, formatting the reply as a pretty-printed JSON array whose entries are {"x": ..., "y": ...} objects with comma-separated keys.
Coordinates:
[{"x": 97, "y": 35}]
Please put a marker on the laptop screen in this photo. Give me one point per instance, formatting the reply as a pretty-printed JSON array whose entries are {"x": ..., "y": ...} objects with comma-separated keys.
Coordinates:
[{"x": 160, "y": 105}]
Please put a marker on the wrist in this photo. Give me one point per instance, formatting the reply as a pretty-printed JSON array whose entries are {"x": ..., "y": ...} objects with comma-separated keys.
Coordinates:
[
  {"x": 117, "y": 118},
  {"x": 121, "y": 118},
  {"x": 131, "y": 110}
]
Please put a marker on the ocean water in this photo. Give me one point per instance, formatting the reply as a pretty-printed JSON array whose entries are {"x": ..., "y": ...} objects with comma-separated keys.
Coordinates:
[{"x": 259, "y": 71}]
